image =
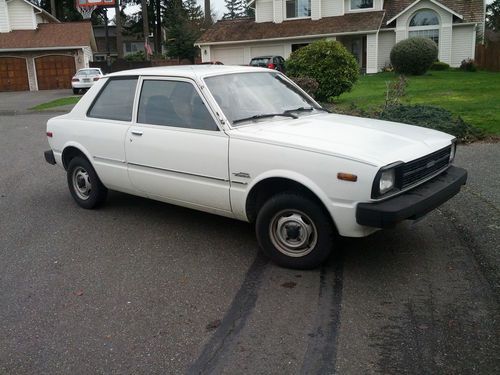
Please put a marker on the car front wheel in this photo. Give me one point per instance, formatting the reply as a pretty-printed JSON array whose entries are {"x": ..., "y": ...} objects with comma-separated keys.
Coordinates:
[
  {"x": 295, "y": 231},
  {"x": 84, "y": 184}
]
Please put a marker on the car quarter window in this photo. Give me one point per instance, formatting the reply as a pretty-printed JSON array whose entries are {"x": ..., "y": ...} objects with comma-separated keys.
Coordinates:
[
  {"x": 173, "y": 103},
  {"x": 116, "y": 100}
]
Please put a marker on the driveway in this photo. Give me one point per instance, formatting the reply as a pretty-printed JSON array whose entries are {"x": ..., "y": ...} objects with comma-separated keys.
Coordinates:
[
  {"x": 144, "y": 287},
  {"x": 21, "y": 101}
]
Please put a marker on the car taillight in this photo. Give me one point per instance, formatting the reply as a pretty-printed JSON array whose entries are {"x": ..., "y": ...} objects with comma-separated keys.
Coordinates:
[
  {"x": 75, "y": 80},
  {"x": 271, "y": 66},
  {"x": 96, "y": 78}
]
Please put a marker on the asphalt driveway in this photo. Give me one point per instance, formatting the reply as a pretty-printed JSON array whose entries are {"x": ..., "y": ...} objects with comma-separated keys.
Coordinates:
[{"x": 144, "y": 287}]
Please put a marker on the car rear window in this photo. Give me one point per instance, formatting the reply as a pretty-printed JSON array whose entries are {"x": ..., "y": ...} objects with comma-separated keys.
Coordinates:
[
  {"x": 259, "y": 62},
  {"x": 88, "y": 72},
  {"x": 116, "y": 100}
]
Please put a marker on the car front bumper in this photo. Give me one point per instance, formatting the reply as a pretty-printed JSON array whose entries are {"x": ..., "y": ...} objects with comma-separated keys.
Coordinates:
[{"x": 414, "y": 203}]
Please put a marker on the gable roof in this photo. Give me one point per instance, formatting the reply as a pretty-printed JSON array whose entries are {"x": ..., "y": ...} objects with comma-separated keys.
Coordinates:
[
  {"x": 470, "y": 10},
  {"x": 247, "y": 29},
  {"x": 50, "y": 35}
]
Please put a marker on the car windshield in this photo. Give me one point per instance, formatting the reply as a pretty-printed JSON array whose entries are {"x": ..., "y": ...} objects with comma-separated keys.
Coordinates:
[
  {"x": 247, "y": 97},
  {"x": 88, "y": 72}
]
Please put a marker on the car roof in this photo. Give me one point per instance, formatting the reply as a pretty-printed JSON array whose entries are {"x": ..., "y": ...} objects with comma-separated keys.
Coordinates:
[{"x": 187, "y": 70}]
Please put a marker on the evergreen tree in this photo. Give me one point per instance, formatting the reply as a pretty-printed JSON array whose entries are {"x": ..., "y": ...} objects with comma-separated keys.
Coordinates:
[
  {"x": 182, "y": 22},
  {"x": 235, "y": 9},
  {"x": 493, "y": 16}
]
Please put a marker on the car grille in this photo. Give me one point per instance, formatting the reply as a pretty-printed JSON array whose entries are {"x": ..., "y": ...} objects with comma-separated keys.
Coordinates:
[{"x": 419, "y": 169}]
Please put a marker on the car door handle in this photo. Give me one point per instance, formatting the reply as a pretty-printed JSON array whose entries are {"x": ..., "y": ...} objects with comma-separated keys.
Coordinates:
[{"x": 137, "y": 132}]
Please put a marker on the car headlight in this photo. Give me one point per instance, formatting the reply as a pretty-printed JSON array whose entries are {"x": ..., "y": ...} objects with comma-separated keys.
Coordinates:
[
  {"x": 453, "y": 150},
  {"x": 387, "y": 181}
]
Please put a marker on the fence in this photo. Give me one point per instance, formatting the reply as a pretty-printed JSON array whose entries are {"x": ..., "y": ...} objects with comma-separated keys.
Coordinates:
[
  {"x": 122, "y": 64},
  {"x": 488, "y": 56}
]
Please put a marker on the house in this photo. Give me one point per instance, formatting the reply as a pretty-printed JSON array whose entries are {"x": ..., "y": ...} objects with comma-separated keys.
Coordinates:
[
  {"x": 367, "y": 28},
  {"x": 131, "y": 43},
  {"x": 37, "y": 52}
]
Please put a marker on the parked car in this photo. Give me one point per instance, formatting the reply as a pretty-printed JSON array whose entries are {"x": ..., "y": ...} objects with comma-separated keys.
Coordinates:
[
  {"x": 270, "y": 62},
  {"x": 211, "y": 63},
  {"x": 249, "y": 144},
  {"x": 85, "y": 78}
]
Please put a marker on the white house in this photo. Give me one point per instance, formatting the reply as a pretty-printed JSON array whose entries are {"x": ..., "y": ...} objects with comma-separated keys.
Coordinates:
[
  {"x": 37, "y": 51},
  {"x": 368, "y": 29}
]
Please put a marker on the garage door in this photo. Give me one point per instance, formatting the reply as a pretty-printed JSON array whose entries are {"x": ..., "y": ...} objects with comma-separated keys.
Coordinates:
[
  {"x": 54, "y": 72},
  {"x": 13, "y": 74},
  {"x": 229, "y": 56},
  {"x": 276, "y": 50}
]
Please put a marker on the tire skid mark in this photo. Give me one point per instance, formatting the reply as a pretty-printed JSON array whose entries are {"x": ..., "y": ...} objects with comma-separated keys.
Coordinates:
[
  {"x": 321, "y": 353},
  {"x": 220, "y": 345}
]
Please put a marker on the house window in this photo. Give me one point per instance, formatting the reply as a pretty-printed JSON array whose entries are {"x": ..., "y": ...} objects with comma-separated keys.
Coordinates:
[
  {"x": 425, "y": 24},
  {"x": 361, "y": 4},
  {"x": 298, "y": 8}
]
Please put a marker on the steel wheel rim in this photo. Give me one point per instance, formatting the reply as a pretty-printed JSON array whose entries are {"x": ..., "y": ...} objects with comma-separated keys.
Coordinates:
[
  {"x": 81, "y": 183},
  {"x": 293, "y": 233}
]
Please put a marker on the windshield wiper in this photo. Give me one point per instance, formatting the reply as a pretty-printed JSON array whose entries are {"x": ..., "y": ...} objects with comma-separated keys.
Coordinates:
[
  {"x": 256, "y": 117},
  {"x": 300, "y": 109}
]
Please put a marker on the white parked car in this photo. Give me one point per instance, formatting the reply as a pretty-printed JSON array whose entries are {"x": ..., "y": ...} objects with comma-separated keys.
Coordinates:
[
  {"x": 85, "y": 78},
  {"x": 249, "y": 144}
]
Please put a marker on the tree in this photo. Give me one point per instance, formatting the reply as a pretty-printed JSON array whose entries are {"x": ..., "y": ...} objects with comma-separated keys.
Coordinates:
[
  {"x": 493, "y": 16},
  {"x": 235, "y": 9},
  {"x": 183, "y": 23}
]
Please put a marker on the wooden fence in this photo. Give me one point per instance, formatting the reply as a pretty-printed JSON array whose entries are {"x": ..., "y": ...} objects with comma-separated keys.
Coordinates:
[{"x": 488, "y": 56}]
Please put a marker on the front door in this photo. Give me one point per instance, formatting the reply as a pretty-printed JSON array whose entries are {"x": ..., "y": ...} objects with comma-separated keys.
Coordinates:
[{"x": 175, "y": 151}]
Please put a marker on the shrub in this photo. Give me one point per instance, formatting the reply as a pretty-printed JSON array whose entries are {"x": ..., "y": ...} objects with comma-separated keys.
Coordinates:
[
  {"x": 395, "y": 90},
  {"x": 468, "y": 65},
  {"x": 414, "y": 56},
  {"x": 138, "y": 56},
  {"x": 308, "y": 84},
  {"x": 434, "y": 118},
  {"x": 439, "y": 65},
  {"x": 329, "y": 63}
]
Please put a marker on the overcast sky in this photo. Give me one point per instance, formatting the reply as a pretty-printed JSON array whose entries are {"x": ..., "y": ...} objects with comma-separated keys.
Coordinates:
[{"x": 216, "y": 5}]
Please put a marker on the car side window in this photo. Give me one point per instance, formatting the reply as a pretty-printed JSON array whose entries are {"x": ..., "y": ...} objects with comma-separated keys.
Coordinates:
[
  {"x": 116, "y": 100},
  {"x": 173, "y": 103}
]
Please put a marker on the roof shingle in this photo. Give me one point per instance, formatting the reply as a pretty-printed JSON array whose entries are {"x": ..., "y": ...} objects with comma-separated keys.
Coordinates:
[
  {"x": 248, "y": 29},
  {"x": 48, "y": 35}
]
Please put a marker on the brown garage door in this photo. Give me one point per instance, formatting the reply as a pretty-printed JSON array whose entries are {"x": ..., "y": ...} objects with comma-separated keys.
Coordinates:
[
  {"x": 54, "y": 72},
  {"x": 13, "y": 74}
]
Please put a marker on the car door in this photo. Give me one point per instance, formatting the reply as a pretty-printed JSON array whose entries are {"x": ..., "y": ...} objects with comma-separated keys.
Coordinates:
[
  {"x": 105, "y": 128},
  {"x": 175, "y": 151}
]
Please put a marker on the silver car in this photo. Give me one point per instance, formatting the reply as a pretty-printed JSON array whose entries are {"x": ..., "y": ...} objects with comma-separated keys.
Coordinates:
[{"x": 85, "y": 78}]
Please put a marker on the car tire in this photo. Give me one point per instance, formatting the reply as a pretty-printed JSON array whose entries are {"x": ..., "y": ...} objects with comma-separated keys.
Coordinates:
[
  {"x": 84, "y": 185},
  {"x": 294, "y": 231},
  {"x": 76, "y": 91}
]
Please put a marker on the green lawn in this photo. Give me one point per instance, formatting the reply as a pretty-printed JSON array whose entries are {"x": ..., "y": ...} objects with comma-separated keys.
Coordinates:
[
  {"x": 473, "y": 96},
  {"x": 57, "y": 103}
]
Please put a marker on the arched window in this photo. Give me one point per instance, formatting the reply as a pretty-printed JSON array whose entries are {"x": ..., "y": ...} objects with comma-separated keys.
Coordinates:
[{"x": 425, "y": 23}]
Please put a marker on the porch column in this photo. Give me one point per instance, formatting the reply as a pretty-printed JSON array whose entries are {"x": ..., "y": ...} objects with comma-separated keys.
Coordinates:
[{"x": 371, "y": 53}]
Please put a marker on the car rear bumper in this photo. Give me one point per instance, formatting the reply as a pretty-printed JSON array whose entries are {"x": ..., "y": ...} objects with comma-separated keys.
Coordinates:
[
  {"x": 414, "y": 203},
  {"x": 49, "y": 157},
  {"x": 82, "y": 85}
]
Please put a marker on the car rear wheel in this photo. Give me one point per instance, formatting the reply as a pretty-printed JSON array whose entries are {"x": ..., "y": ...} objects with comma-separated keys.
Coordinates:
[
  {"x": 295, "y": 231},
  {"x": 76, "y": 91},
  {"x": 84, "y": 184}
]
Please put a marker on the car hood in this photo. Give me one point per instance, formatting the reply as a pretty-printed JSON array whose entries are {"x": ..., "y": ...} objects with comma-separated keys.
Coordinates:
[{"x": 366, "y": 140}]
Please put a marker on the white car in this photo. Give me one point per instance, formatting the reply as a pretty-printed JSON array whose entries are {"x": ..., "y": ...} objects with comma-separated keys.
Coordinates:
[
  {"x": 249, "y": 144},
  {"x": 85, "y": 78}
]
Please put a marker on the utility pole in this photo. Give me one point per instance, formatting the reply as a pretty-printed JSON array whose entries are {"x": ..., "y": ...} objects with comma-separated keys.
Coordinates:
[
  {"x": 208, "y": 14},
  {"x": 145, "y": 25},
  {"x": 119, "y": 37},
  {"x": 158, "y": 39}
]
